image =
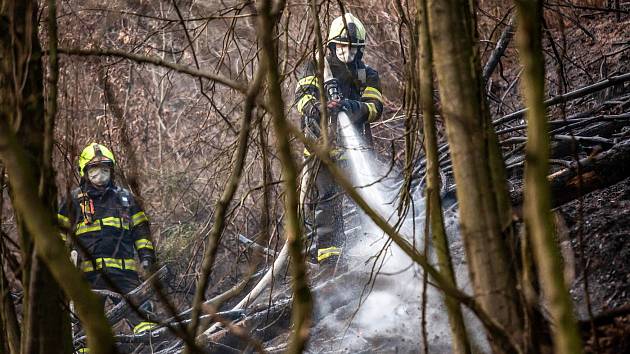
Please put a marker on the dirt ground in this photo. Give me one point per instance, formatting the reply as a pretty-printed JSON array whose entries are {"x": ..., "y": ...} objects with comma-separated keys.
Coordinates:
[{"x": 602, "y": 221}]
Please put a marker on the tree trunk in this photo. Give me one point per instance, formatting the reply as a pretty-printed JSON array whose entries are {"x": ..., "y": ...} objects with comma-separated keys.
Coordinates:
[
  {"x": 37, "y": 218},
  {"x": 494, "y": 282},
  {"x": 4, "y": 342},
  {"x": 48, "y": 324},
  {"x": 9, "y": 326},
  {"x": 537, "y": 205},
  {"x": 461, "y": 344},
  {"x": 45, "y": 322}
]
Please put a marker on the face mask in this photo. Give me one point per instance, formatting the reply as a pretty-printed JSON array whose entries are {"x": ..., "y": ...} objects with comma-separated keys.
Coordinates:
[
  {"x": 99, "y": 175},
  {"x": 345, "y": 53}
]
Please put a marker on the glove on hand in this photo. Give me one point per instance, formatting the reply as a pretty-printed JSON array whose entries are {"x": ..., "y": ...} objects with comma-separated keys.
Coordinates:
[
  {"x": 148, "y": 265},
  {"x": 357, "y": 111},
  {"x": 311, "y": 109},
  {"x": 334, "y": 106},
  {"x": 310, "y": 120},
  {"x": 310, "y": 125}
]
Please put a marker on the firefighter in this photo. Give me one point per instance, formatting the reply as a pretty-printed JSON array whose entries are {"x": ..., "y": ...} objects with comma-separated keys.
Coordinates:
[
  {"x": 353, "y": 87},
  {"x": 108, "y": 228}
]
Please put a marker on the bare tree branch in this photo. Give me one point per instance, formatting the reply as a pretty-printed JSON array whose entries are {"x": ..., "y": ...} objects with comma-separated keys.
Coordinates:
[
  {"x": 214, "y": 236},
  {"x": 238, "y": 86}
]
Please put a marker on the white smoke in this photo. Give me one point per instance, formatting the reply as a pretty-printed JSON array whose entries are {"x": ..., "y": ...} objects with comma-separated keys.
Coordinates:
[{"x": 388, "y": 318}]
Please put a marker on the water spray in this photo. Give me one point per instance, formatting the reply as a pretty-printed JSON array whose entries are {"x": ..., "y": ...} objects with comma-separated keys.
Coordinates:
[{"x": 391, "y": 307}]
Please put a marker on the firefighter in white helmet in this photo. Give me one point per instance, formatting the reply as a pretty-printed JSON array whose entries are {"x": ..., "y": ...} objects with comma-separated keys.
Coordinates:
[{"x": 353, "y": 87}]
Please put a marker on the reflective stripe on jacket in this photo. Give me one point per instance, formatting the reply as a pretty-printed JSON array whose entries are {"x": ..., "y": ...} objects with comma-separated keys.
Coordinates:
[
  {"x": 108, "y": 226},
  {"x": 357, "y": 81}
]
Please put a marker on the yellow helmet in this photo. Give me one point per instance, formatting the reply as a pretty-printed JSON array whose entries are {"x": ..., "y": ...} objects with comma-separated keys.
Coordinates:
[
  {"x": 95, "y": 154},
  {"x": 354, "y": 33}
]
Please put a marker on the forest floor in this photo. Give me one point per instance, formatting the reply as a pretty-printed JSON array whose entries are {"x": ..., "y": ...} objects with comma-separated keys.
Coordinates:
[{"x": 602, "y": 221}]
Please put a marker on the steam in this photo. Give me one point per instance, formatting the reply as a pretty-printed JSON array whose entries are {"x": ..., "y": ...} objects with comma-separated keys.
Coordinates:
[{"x": 390, "y": 306}]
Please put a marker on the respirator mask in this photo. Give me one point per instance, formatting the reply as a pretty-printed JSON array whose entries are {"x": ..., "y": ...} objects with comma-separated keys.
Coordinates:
[
  {"x": 99, "y": 175},
  {"x": 346, "y": 53}
]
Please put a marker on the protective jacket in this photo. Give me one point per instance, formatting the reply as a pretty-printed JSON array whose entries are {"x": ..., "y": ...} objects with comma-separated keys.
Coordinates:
[
  {"x": 357, "y": 81},
  {"x": 108, "y": 227}
]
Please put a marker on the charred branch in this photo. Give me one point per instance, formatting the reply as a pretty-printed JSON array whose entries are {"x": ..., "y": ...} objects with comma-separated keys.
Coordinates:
[
  {"x": 499, "y": 50},
  {"x": 599, "y": 171},
  {"x": 581, "y": 92},
  {"x": 255, "y": 246},
  {"x": 137, "y": 296}
]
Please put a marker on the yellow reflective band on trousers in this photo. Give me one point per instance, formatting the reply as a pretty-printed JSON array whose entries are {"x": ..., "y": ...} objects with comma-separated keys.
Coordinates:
[
  {"x": 144, "y": 243},
  {"x": 308, "y": 80},
  {"x": 324, "y": 253},
  {"x": 144, "y": 326},
  {"x": 118, "y": 263},
  {"x": 83, "y": 350},
  {"x": 372, "y": 93},
  {"x": 64, "y": 236},
  {"x": 63, "y": 221},
  {"x": 373, "y": 112},
  {"x": 139, "y": 218},
  {"x": 303, "y": 101}
]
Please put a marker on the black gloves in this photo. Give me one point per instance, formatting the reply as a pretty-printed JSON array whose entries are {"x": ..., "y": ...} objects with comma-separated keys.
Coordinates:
[
  {"x": 148, "y": 265},
  {"x": 357, "y": 111},
  {"x": 310, "y": 121},
  {"x": 311, "y": 109}
]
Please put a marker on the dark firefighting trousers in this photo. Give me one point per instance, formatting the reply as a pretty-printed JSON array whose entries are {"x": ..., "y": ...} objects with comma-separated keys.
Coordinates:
[
  {"x": 327, "y": 216},
  {"x": 123, "y": 281}
]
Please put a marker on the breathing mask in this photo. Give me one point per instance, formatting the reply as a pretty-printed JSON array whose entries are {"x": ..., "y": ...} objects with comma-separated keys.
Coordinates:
[
  {"x": 345, "y": 53},
  {"x": 99, "y": 175}
]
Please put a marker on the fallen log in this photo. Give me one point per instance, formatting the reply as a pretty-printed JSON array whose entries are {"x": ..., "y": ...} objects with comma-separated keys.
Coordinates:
[
  {"x": 172, "y": 348},
  {"x": 210, "y": 348},
  {"x": 219, "y": 299},
  {"x": 589, "y": 131},
  {"x": 566, "y": 138},
  {"x": 565, "y": 146},
  {"x": 580, "y": 92},
  {"x": 165, "y": 334},
  {"x": 579, "y": 123},
  {"x": 264, "y": 320},
  {"x": 263, "y": 324},
  {"x": 137, "y": 296},
  {"x": 278, "y": 313},
  {"x": 254, "y": 245},
  {"x": 596, "y": 172},
  {"x": 605, "y": 318}
]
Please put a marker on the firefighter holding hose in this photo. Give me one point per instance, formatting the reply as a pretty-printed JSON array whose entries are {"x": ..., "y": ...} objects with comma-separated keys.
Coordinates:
[{"x": 354, "y": 88}]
